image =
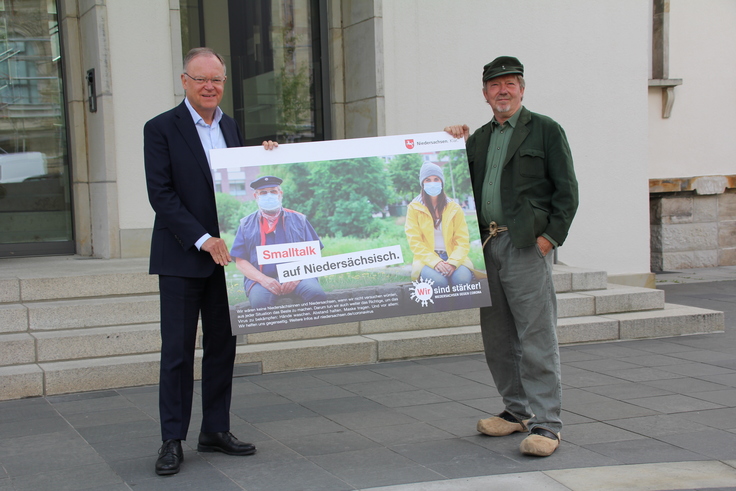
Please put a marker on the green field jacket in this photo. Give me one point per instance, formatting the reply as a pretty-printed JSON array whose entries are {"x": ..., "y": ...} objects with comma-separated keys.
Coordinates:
[{"x": 539, "y": 191}]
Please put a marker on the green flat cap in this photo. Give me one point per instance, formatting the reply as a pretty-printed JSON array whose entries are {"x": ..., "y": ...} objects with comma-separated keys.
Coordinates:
[{"x": 503, "y": 65}]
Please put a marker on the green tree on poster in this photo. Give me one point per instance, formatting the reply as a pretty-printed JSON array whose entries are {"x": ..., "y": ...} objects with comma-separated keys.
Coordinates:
[
  {"x": 404, "y": 173},
  {"x": 340, "y": 196}
]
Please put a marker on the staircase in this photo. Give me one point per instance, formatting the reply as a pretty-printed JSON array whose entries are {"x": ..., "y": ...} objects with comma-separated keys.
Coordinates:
[{"x": 69, "y": 324}]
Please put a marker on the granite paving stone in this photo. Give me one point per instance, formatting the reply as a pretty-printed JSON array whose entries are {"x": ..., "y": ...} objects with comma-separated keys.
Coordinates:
[
  {"x": 410, "y": 398},
  {"x": 342, "y": 405},
  {"x": 271, "y": 451},
  {"x": 298, "y": 427},
  {"x": 659, "y": 425},
  {"x": 442, "y": 410},
  {"x": 650, "y": 360},
  {"x": 328, "y": 443},
  {"x": 103, "y": 417},
  {"x": 375, "y": 467},
  {"x": 704, "y": 356},
  {"x": 242, "y": 430},
  {"x": 20, "y": 456},
  {"x": 375, "y": 387},
  {"x": 467, "y": 390},
  {"x": 715, "y": 444},
  {"x": 69, "y": 479},
  {"x": 317, "y": 393},
  {"x": 136, "y": 470},
  {"x": 568, "y": 456},
  {"x": 33, "y": 426},
  {"x": 604, "y": 365},
  {"x": 24, "y": 409},
  {"x": 348, "y": 375},
  {"x": 296, "y": 475},
  {"x": 626, "y": 391},
  {"x": 723, "y": 418},
  {"x": 685, "y": 385},
  {"x": 569, "y": 354},
  {"x": 644, "y": 450},
  {"x": 596, "y": 432},
  {"x": 480, "y": 376},
  {"x": 675, "y": 403},
  {"x": 129, "y": 430},
  {"x": 408, "y": 424},
  {"x": 487, "y": 404},
  {"x": 696, "y": 369},
  {"x": 726, "y": 397},
  {"x": 278, "y": 412},
  {"x": 728, "y": 379},
  {"x": 610, "y": 410},
  {"x": 107, "y": 400},
  {"x": 125, "y": 449},
  {"x": 459, "y": 427},
  {"x": 259, "y": 399},
  {"x": 406, "y": 433},
  {"x": 577, "y": 377},
  {"x": 644, "y": 374},
  {"x": 368, "y": 419}
]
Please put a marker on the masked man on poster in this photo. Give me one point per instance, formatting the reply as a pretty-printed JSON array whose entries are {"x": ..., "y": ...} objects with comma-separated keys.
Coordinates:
[
  {"x": 272, "y": 224},
  {"x": 526, "y": 195},
  {"x": 189, "y": 256}
]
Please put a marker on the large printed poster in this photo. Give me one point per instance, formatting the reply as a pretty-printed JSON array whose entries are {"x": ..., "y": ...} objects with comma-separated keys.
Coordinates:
[{"x": 348, "y": 230}]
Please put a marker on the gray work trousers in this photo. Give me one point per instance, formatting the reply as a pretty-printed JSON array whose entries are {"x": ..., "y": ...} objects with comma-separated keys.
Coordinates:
[{"x": 519, "y": 332}]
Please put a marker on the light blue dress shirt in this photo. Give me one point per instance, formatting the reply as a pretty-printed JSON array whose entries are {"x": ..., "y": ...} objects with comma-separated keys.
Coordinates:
[{"x": 211, "y": 137}]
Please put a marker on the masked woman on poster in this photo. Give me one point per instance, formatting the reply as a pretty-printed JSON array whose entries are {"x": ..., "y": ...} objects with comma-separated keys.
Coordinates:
[{"x": 437, "y": 233}]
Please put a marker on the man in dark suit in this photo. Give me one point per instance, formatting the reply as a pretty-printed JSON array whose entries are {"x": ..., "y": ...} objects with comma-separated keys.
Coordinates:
[
  {"x": 189, "y": 256},
  {"x": 526, "y": 195}
]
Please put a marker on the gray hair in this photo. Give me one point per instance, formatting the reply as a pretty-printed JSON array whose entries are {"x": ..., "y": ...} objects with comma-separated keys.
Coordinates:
[
  {"x": 520, "y": 78},
  {"x": 195, "y": 52}
]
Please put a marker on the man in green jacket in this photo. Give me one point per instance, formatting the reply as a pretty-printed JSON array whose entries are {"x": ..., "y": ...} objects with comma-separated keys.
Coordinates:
[{"x": 526, "y": 196}]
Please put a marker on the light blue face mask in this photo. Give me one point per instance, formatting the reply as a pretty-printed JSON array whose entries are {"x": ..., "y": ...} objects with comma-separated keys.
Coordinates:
[
  {"x": 269, "y": 202},
  {"x": 433, "y": 188}
]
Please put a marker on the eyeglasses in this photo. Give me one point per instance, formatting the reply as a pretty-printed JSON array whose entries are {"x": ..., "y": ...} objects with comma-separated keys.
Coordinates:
[{"x": 202, "y": 81}]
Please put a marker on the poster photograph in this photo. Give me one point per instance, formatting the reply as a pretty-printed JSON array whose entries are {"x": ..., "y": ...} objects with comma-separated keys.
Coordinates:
[{"x": 345, "y": 230}]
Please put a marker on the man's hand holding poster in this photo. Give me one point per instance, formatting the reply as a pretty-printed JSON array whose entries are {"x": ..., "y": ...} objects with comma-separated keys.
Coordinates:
[{"x": 348, "y": 230}]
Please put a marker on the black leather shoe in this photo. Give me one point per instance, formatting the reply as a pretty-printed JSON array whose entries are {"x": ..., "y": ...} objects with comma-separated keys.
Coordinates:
[
  {"x": 224, "y": 442},
  {"x": 170, "y": 457}
]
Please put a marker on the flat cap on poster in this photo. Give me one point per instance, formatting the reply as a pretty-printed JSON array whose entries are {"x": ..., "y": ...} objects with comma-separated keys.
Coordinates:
[
  {"x": 266, "y": 182},
  {"x": 503, "y": 65}
]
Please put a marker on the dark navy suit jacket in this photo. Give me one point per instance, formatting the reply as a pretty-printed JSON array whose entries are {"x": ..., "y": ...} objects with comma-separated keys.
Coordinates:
[{"x": 181, "y": 192}]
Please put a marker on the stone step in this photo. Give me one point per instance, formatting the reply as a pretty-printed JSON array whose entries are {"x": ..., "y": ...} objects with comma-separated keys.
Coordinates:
[
  {"x": 674, "y": 320},
  {"x": 57, "y": 278},
  {"x": 17, "y": 349},
  {"x": 100, "y": 312},
  {"x": 72, "y": 278},
  {"x": 570, "y": 279},
  {"x": 613, "y": 299},
  {"x": 55, "y": 340},
  {"x": 75, "y": 344},
  {"x": 93, "y": 312},
  {"x": 58, "y": 377}
]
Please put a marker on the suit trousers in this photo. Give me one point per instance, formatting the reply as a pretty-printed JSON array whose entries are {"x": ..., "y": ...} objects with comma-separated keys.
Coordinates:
[
  {"x": 182, "y": 301},
  {"x": 519, "y": 332}
]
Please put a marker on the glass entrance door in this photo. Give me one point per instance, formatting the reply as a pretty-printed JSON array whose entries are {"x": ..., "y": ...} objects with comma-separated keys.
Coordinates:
[
  {"x": 274, "y": 52},
  {"x": 35, "y": 202}
]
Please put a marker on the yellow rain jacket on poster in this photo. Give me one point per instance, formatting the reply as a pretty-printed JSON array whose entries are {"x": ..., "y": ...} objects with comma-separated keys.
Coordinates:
[{"x": 419, "y": 229}]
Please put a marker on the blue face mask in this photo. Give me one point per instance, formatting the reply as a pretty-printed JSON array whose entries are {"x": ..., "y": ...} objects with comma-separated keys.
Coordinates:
[
  {"x": 433, "y": 188},
  {"x": 269, "y": 202}
]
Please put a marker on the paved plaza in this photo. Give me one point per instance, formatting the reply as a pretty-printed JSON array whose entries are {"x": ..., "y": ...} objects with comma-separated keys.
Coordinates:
[{"x": 649, "y": 414}]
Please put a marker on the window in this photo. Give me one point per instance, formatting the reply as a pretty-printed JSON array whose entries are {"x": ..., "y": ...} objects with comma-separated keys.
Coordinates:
[
  {"x": 274, "y": 53},
  {"x": 35, "y": 202}
]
